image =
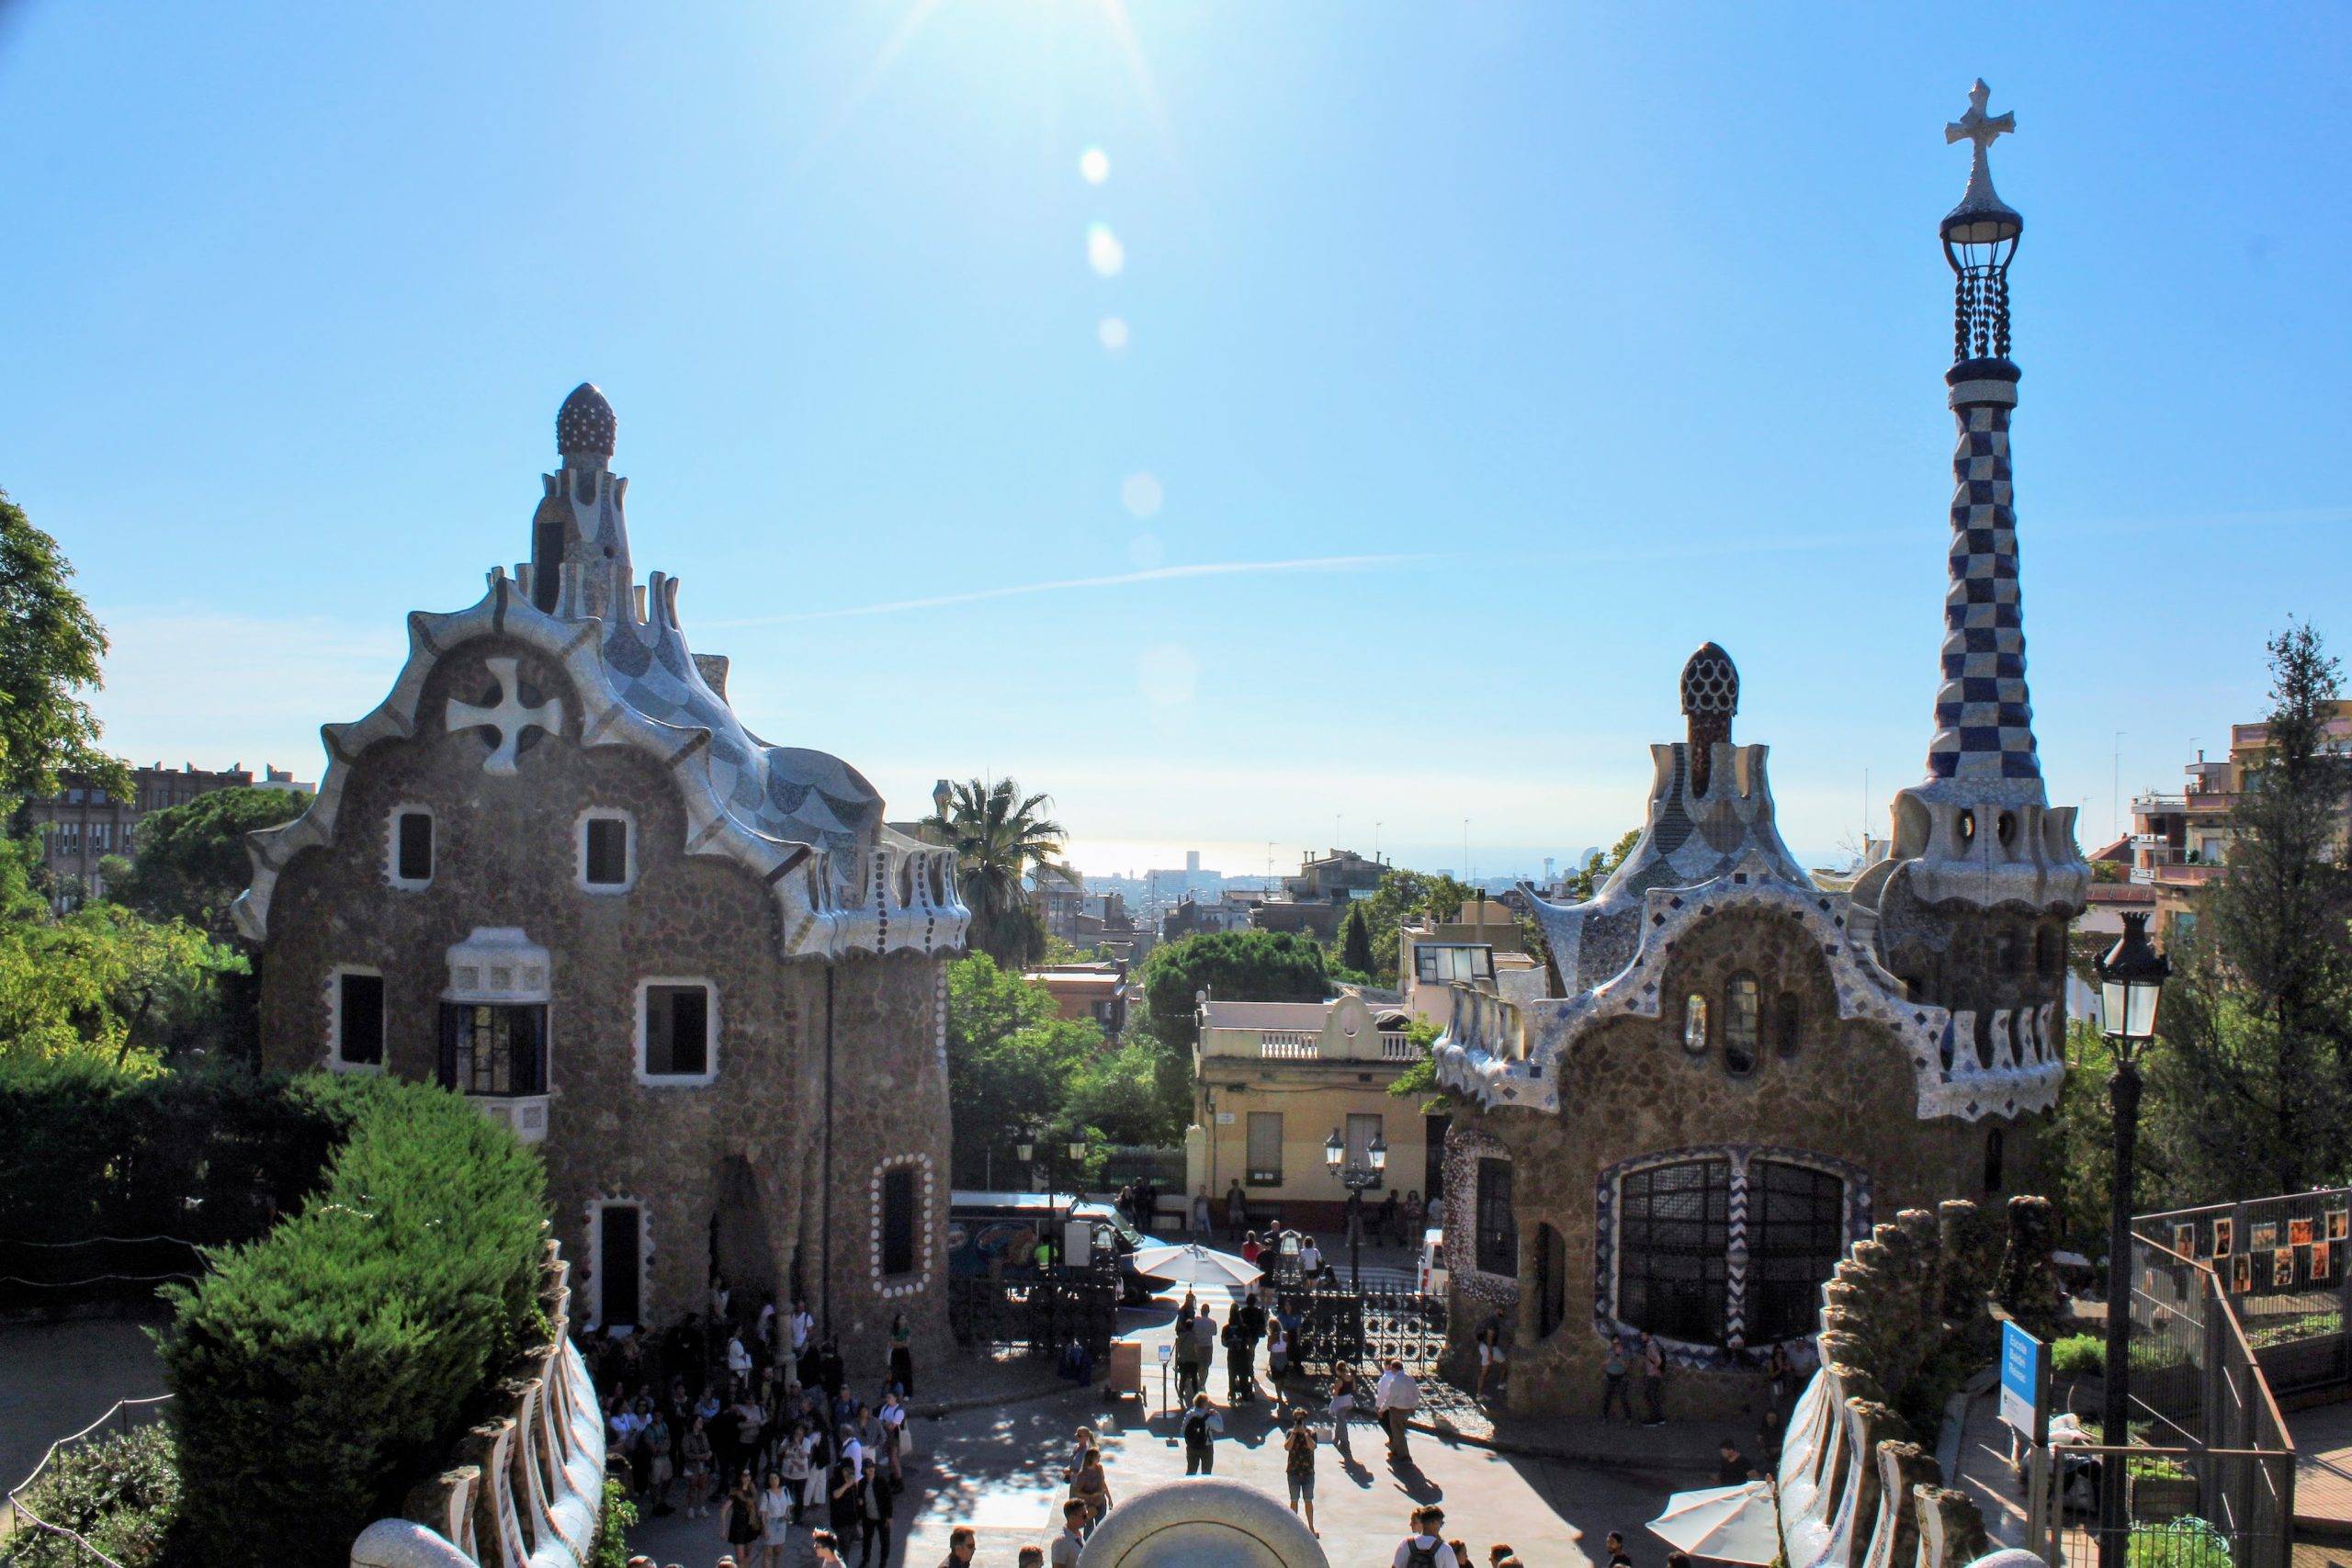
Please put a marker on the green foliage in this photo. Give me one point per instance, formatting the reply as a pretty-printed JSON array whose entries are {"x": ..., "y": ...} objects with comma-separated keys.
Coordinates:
[
  {"x": 613, "y": 1521},
  {"x": 50, "y": 649},
  {"x": 324, "y": 1368},
  {"x": 1403, "y": 896},
  {"x": 1420, "y": 1080},
  {"x": 192, "y": 860},
  {"x": 1013, "y": 1061},
  {"x": 119, "y": 1491},
  {"x": 2078, "y": 1355},
  {"x": 1115, "y": 1097},
  {"x": 2185, "y": 1543},
  {"x": 1598, "y": 868},
  {"x": 1244, "y": 966},
  {"x": 102, "y": 981},
  {"x": 1002, "y": 838},
  {"x": 1356, "y": 942}
]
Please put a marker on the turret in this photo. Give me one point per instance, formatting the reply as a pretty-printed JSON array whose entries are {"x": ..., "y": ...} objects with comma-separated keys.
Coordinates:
[{"x": 580, "y": 566}]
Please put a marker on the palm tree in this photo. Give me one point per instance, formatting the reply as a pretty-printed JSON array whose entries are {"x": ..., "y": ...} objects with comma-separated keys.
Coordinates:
[{"x": 1001, "y": 838}]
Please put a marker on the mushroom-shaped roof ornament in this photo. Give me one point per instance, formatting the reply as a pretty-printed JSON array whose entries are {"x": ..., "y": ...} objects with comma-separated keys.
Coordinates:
[
  {"x": 1710, "y": 698},
  {"x": 584, "y": 425}
]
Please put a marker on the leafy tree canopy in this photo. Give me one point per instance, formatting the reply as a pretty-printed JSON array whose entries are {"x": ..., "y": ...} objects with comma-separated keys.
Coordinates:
[
  {"x": 1002, "y": 838},
  {"x": 1403, "y": 896},
  {"x": 1014, "y": 1064},
  {"x": 192, "y": 861},
  {"x": 50, "y": 649},
  {"x": 102, "y": 981}
]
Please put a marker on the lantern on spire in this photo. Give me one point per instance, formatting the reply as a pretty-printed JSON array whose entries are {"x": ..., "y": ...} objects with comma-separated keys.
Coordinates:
[{"x": 1980, "y": 238}]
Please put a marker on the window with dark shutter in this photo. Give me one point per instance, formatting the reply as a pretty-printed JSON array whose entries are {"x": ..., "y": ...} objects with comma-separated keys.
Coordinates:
[
  {"x": 1796, "y": 1231},
  {"x": 359, "y": 1024},
  {"x": 605, "y": 850},
  {"x": 898, "y": 1220},
  {"x": 677, "y": 1030},
  {"x": 1265, "y": 1149},
  {"x": 1673, "y": 1241},
  {"x": 1497, "y": 1249},
  {"x": 412, "y": 851}
]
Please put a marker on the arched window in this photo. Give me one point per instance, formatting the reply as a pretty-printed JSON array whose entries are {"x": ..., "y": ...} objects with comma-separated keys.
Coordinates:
[
  {"x": 1673, "y": 1238},
  {"x": 1694, "y": 1023},
  {"x": 1743, "y": 1028},
  {"x": 2009, "y": 954},
  {"x": 1788, "y": 1023},
  {"x": 1796, "y": 1226},
  {"x": 1995, "y": 1155}
]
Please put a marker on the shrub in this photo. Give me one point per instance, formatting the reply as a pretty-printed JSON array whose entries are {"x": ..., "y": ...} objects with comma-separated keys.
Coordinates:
[
  {"x": 611, "y": 1548},
  {"x": 326, "y": 1367},
  {"x": 2185, "y": 1543},
  {"x": 2078, "y": 1355},
  {"x": 120, "y": 1492}
]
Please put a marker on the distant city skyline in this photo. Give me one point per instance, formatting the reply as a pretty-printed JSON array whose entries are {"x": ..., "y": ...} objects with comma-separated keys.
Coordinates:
[{"x": 1224, "y": 418}]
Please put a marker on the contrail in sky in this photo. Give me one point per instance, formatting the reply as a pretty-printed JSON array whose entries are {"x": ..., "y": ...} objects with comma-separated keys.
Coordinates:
[{"x": 1116, "y": 580}]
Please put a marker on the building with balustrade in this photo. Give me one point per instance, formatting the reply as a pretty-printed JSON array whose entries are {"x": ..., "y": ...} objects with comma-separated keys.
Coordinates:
[
  {"x": 556, "y": 872},
  {"x": 1275, "y": 1080},
  {"x": 1738, "y": 1069}
]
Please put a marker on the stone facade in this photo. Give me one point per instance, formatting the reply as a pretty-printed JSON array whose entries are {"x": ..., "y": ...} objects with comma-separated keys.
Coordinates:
[
  {"x": 1743, "y": 1068},
  {"x": 809, "y": 1056}
]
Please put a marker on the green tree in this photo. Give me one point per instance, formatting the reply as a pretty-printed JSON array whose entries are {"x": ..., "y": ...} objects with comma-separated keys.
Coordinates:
[
  {"x": 1244, "y": 966},
  {"x": 50, "y": 649},
  {"x": 191, "y": 860},
  {"x": 1014, "y": 1063},
  {"x": 1356, "y": 942},
  {"x": 1600, "y": 865},
  {"x": 1403, "y": 896},
  {"x": 1420, "y": 1080},
  {"x": 105, "y": 982},
  {"x": 1002, "y": 839},
  {"x": 2251, "y": 1091}
]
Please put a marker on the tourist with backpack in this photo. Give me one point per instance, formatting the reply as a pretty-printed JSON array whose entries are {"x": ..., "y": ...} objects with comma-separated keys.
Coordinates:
[
  {"x": 1298, "y": 1467},
  {"x": 1424, "y": 1548},
  {"x": 1201, "y": 1425}
]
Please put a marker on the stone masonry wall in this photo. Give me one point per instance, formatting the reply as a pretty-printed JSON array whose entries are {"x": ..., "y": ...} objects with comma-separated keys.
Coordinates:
[{"x": 746, "y": 1145}]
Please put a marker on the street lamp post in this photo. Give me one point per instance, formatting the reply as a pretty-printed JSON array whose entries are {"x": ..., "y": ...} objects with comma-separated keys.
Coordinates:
[
  {"x": 1024, "y": 1151},
  {"x": 2131, "y": 976},
  {"x": 1356, "y": 1179}
]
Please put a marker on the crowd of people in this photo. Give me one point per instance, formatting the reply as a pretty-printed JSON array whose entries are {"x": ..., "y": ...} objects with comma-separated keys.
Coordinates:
[{"x": 746, "y": 1418}]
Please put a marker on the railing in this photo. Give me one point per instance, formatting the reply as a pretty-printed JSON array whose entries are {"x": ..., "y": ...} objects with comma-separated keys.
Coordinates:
[
  {"x": 2295, "y": 1319},
  {"x": 1288, "y": 1045},
  {"x": 1398, "y": 1047},
  {"x": 121, "y": 1416}
]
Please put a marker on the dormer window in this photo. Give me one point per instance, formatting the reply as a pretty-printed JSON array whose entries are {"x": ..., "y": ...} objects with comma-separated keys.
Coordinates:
[
  {"x": 410, "y": 862},
  {"x": 606, "y": 851}
]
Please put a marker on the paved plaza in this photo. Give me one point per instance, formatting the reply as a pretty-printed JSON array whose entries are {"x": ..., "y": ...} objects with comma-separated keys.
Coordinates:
[{"x": 1000, "y": 1470}]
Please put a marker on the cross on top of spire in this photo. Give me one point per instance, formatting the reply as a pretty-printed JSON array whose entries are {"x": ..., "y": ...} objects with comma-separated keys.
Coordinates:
[{"x": 1976, "y": 125}]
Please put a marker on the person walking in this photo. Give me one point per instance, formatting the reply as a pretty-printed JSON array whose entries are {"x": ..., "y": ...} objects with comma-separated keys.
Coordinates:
[
  {"x": 1091, "y": 1487},
  {"x": 878, "y": 1497},
  {"x": 1613, "y": 1393},
  {"x": 1310, "y": 1258},
  {"x": 1205, "y": 1338},
  {"x": 1615, "y": 1547},
  {"x": 1490, "y": 1358},
  {"x": 846, "y": 1492},
  {"x": 1343, "y": 1408},
  {"x": 740, "y": 1520},
  {"x": 828, "y": 1547},
  {"x": 776, "y": 1508},
  {"x": 902, "y": 1354},
  {"x": 1237, "y": 1210},
  {"x": 1652, "y": 1381},
  {"x": 1201, "y": 1207},
  {"x": 1201, "y": 1425},
  {"x": 695, "y": 1448},
  {"x": 1298, "y": 1467},
  {"x": 1424, "y": 1548},
  {"x": 1070, "y": 1544},
  {"x": 963, "y": 1542},
  {"x": 1394, "y": 1399},
  {"x": 1240, "y": 1384}
]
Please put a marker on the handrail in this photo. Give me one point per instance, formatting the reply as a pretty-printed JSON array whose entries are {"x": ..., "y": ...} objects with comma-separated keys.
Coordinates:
[{"x": 26, "y": 1515}]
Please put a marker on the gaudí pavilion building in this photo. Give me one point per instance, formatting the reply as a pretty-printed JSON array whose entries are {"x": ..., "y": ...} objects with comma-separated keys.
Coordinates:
[
  {"x": 556, "y": 872},
  {"x": 1739, "y": 1071}
]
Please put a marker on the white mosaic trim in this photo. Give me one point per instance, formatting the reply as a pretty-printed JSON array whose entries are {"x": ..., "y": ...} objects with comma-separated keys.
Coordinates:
[
  {"x": 926, "y": 1240},
  {"x": 595, "y": 1209}
]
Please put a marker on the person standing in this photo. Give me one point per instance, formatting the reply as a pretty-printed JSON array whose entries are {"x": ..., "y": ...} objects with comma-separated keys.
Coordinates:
[
  {"x": 902, "y": 1354},
  {"x": 962, "y": 1542},
  {"x": 1343, "y": 1409},
  {"x": 1240, "y": 1382},
  {"x": 1205, "y": 1338},
  {"x": 1491, "y": 1357},
  {"x": 1424, "y": 1548},
  {"x": 776, "y": 1505},
  {"x": 1615, "y": 1547},
  {"x": 740, "y": 1520},
  {"x": 877, "y": 1497},
  {"x": 1310, "y": 1258},
  {"x": 1201, "y": 1214},
  {"x": 1091, "y": 1487},
  {"x": 1201, "y": 1423},
  {"x": 695, "y": 1448},
  {"x": 1071, "y": 1543},
  {"x": 1355, "y": 1217},
  {"x": 1613, "y": 1382},
  {"x": 847, "y": 1490},
  {"x": 1236, "y": 1211},
  {"x": 1731, "y": 1469},
  {"x": 1395, "y": 1398},
  {"x": 1298, "y": 1467},
  {"x": 659, "y": 1468},
  {"x": 1392, "y": 1218},
  {"x": 1652, "y": 1381},
  {"x": 828, "y": 1547},
  {"x": 1777, "y": 1373}
]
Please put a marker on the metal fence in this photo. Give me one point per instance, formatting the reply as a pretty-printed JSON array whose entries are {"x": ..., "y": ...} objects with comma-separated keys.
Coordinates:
[
  {"x": 1039, "y": 1314},
  {"x": 2207, "y": 1474},
  {"x": 48, "y": 1274},
  {"x": 2286, "y": 1264},
  {"x": 22, "y": 1529},
  {"x": 1366, "y": 1329}
]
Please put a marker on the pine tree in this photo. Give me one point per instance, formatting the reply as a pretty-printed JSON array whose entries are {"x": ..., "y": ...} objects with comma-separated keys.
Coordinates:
[{"x": 1356, "y": 943}]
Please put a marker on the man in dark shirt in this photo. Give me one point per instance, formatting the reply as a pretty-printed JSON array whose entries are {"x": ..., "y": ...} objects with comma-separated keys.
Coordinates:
[{"x": 1734, "y": 1470}]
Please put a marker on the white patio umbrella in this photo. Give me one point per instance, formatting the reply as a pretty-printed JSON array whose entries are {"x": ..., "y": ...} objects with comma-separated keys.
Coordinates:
[
  {"x": 1192, "y": 1264},
  {"x": 1731, "y": 1524}
]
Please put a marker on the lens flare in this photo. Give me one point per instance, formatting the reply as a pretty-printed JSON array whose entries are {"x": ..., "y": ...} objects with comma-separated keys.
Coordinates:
[
  {"x": 1141, "y": 495},
  {"x": 1103, "y": 251},
  {"x": 1112, "y": 333},
  {"x": 1094, "y": 165}
]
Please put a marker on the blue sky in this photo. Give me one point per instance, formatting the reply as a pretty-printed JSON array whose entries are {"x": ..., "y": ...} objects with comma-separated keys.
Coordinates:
[{"x": 1477, "y": 364}]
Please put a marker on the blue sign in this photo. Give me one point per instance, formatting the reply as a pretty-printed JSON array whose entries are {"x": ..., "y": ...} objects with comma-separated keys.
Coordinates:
[{"x": 2025, "y": 1381}]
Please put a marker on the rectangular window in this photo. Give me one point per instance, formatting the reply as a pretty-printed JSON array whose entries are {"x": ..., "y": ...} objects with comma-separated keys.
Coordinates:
[
  {"x": 101, "y": 837},
  {"x": 898, "y": 1220},
  {"x": 605, "y": 851},
  {"x": 620, "y": 1259},
  {"x": 67, "y": 838},
  {"x": 1673, "y": 1245},
  {"x": 1498, "y": 1225},
  {"x": 413, "y": 846},
  {"x": 493, "y": 1050},
  {"x": 1362, "y": 1130},
  {"x": 1796, "y": 1234},
  {"x": 677, "y": 1030},
  {"x": 359, "y": 1021},
  {"x": 1265, "y": 1164}
]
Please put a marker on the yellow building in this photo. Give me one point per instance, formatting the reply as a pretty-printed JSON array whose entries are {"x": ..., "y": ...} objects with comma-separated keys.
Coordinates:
[{"x": 1275, "y": 1080}]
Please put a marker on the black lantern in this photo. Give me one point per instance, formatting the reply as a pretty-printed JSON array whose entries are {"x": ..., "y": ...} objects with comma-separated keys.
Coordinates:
[
  {"x": 1335, "y": 1150},
  {"x": 2130, "y": 977},
  {"x": 1379, "y": 1153},
  {"x": 1025, "y": 1150}
]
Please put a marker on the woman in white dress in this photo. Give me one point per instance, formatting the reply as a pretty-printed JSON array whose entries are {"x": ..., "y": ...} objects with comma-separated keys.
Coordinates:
[{"x": 776, "y": 1520}]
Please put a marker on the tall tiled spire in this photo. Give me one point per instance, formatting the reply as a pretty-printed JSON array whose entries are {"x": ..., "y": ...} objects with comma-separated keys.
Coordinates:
[{"x": 580, "y": 565}]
